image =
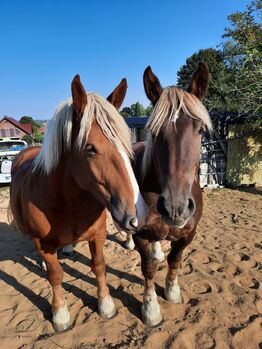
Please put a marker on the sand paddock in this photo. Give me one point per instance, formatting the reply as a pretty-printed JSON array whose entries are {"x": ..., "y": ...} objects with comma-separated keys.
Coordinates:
[{"x": 220, "y": 278}]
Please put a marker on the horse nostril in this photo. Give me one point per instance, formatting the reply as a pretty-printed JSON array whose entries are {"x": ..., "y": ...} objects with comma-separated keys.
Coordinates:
[
  {"x": 134, "y": 222},
  {"x": 191, "y": 204}
]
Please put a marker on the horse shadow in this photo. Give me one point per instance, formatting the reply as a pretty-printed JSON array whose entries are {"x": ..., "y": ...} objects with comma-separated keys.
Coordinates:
[{"x": 19, "y": 249}]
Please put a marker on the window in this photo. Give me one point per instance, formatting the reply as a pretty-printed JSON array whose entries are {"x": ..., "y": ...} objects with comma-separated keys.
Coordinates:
[
  {"x": 3, "y": 132},
  {"x": 12, "y": 132},
  {"x": 17, "y": 131}
]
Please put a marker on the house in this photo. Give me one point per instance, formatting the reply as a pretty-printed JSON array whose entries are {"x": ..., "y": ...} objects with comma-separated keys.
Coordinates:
[
  {"x": 137, "y": 126},
  {"x": 12, "y": 128}
]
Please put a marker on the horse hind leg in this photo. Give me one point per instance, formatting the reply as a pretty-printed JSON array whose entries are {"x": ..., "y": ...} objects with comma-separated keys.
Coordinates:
[
  {"x": 61, "y": 317},
  {"x": 106, "y": 306},
  {"x": 68, "y": 250}
]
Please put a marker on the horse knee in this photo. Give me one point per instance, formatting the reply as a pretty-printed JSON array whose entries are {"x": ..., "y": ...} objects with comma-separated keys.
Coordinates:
[
  {"x": 174, "y": 260},
  {"x": 149, "y": 268},
  {"x": 55, "y": 275},
  {"x": 98, "y": 266}
]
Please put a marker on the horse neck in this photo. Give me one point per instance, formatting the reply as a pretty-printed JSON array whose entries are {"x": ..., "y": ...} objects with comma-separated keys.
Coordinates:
[
  {"x": 63, "y": 186},
  {"x": 150, "y": 183}
]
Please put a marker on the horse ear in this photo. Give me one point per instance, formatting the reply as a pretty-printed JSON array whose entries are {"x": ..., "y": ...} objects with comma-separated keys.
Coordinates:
[
  {"x": 152, "y": 85},
  {"x": 79, "y": 96},
  {"x": 118, "y": 95},
  {"x": 199, "y": 81}
]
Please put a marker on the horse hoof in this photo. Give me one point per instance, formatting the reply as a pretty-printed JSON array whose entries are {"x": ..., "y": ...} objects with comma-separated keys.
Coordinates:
[
  {"x": 129, "y": 245},
  {"x": 106, "y": 308},
  {"x": 173, "y": 295},
  {"x": 43, "y": 266},
  {"x": 152, "y": 322},
  {"x": 62, "y": 327},
  {"x": 61, "y": 319}
]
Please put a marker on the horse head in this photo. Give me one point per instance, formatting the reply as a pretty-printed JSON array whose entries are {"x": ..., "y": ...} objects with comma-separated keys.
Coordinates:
[
  {"x": 174, "y": 143},
  {"x": 91, "y": 144}
]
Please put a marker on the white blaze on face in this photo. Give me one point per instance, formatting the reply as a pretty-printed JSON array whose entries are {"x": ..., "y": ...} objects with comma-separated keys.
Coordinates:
[{"x": 141, "y": 208}]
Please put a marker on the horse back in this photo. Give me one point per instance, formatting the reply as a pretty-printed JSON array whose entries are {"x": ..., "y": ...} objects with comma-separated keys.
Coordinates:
[{"x": 26, "y": 156}]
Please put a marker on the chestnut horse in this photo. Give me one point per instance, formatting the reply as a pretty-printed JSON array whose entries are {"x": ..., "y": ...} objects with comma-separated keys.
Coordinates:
[
  {"x": 166, "y": 167},
  {"x": 59, "y": 193}
]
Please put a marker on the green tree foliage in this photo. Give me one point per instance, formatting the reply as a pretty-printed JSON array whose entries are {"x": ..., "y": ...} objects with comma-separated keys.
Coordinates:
[
  {"x": 126, "y": 112},
  {"x": 26, "y": 120},
  {"x": 149, "y": 110},
  {"x": 243, "y": 54},
  {"x": 135, "y": 109},
  {"x": 36, "y": 136},
  {"x": 30, "y": 120},
  {"x": 217, "y": 98},
  {"x": 29, "y": 139}
]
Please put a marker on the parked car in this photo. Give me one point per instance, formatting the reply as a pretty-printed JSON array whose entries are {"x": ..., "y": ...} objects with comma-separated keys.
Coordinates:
[{"x": 9, "y": 148}]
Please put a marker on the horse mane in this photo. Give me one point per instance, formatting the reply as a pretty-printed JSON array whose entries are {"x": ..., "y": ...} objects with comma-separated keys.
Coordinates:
[
  {"x": 59, "y": 133},
  {"x": 172, "y": 101}
]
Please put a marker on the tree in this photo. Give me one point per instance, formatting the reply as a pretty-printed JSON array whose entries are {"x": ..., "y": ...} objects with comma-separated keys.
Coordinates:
[
  {"x": 137, "y": 109},
  {"x": 29, "y": 139},
  {"x": 243, "y": 54},
  {"x": 30, "y": 120},
  {"x": 126, "y": 112},
  {"x": 218, "y": 98},
  {"x": 149, "y": 110},
  {"x": 26, "y": 120},
  {"x": 38, "y": 137}
]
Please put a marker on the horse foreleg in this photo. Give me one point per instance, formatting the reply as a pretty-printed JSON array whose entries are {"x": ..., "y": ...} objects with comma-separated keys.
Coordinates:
[
  {"x": 106, "y": 307},
  {"x": 174, "y": 259},
  {"x": 61, "y": 317},
  {"x": 129, "y": 245},
  {"x": 157, "y": 252},
  {"x": 151, "y": 315}
]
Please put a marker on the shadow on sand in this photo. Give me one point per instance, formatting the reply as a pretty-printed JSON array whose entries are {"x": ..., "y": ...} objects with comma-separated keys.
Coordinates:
[{"x": 19, "y": 249}]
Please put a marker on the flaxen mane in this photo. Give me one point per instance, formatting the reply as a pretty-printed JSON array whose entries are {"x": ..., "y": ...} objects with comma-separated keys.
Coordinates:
[
  {"x": 59, "y": 133},
  {"x": 171, "y": 103}
]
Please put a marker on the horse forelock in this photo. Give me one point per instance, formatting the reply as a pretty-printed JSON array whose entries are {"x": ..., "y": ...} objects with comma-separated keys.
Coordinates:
[
  {"x": 172, "y": 102},
  {"x": 59, "y": 132}
]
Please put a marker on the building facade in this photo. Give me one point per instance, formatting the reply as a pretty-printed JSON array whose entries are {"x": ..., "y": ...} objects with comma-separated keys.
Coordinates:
[{"x": 11, "y": 128}]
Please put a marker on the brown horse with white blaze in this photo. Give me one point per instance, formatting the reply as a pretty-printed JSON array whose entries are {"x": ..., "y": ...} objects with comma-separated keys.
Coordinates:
[
  {"x": 166, "y": 167},
  {"x": 59, "y": 193}
]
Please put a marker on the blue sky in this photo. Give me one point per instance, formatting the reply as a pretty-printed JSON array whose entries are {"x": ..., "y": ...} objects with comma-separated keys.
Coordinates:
[{"x": 43, "y": 44}]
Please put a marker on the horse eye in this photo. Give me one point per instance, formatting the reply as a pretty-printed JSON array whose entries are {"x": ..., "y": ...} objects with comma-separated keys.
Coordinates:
[
  {"x": 91, "y": 150},
  {"x": 201, "y": 131}
]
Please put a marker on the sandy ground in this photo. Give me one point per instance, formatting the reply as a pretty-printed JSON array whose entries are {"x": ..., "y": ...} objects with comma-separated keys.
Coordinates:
[{"x": 220, "y": 278}]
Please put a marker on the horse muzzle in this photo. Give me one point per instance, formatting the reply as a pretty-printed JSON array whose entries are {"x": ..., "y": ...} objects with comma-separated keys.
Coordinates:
[
  {"x": 176, "y": 213},
  {"x": 122, "y": 218}
]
